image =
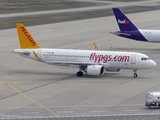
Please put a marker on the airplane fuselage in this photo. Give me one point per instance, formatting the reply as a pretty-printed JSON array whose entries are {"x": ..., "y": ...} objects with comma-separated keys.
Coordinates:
[
  {"x": 151, "y": 35},
  {"x": 141, "y": 35},
  {"x": 108, "y": 59}
]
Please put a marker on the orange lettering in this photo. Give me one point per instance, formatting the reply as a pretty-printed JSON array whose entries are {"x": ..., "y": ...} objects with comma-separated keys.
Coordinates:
[{"x": 30, "y": 39}]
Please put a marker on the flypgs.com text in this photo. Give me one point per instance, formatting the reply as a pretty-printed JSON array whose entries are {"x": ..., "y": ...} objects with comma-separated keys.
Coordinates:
[{"x": 105, "y": 58}]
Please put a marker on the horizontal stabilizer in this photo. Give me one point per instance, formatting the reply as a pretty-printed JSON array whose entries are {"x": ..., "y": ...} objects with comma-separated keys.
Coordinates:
[
  {"x": 124, "y": 34},
  {"x": 21, "y": 52}
]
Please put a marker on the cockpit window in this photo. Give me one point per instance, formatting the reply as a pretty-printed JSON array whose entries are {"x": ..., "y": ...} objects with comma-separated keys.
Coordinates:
[{"x": 145, "y": 59}]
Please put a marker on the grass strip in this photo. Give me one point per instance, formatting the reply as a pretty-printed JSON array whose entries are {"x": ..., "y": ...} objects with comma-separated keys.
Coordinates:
[
  {"x": 9, "y": 6},
  {"x": 10, "y": 22}
]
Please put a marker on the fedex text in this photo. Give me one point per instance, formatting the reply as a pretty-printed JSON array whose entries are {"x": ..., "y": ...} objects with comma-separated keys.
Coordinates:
[
  {"x": 105, "y": 58},
  {"x": 30, "y": 39},
  {"x": 123, "y": 22}
]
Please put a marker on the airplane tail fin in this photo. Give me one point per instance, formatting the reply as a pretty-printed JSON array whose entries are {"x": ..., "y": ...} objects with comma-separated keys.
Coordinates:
[
  {"x": 123, "y": 21},
  {"x": 25, "y": 38}
]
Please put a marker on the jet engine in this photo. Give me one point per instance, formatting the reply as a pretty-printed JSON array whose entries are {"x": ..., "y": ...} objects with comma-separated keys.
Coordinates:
[{"x": 95, "y": 70}]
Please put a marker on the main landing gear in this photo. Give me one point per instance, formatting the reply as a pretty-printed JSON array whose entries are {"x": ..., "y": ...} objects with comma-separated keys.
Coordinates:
[
  {"x": 135, "y": 74},
  {"x": 79, "y": 73}
]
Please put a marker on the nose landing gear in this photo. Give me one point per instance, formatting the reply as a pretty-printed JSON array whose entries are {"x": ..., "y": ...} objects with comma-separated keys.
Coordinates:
[{"x": 135, "y": 74}]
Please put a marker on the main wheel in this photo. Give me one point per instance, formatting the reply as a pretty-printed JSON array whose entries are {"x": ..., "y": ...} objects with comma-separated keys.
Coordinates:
[
  {"x": 135, "y": 75},
  {"x": 80, "y": 73}
]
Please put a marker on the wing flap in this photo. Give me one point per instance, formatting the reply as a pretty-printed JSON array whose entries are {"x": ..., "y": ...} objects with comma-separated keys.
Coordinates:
[{"x": 69, "y": 63}]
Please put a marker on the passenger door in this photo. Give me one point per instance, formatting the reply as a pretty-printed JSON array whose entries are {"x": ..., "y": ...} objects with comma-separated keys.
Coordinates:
[{"x": 133, "y": 59}]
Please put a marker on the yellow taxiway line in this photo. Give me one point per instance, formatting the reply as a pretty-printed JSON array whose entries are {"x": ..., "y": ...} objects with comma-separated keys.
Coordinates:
[{"x": 34, "y": 101}]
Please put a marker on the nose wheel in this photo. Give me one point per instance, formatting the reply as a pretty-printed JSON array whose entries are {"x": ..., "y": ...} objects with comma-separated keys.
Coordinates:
[{"x": 135, "y": 74}]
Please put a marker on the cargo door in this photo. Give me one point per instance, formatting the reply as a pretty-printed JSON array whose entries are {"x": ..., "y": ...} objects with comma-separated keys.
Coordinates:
[{"x": 133, "y": 59}]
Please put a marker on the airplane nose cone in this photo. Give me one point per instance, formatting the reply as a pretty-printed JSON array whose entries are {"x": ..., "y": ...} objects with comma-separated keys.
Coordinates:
[{"x": 153, "y": 64}]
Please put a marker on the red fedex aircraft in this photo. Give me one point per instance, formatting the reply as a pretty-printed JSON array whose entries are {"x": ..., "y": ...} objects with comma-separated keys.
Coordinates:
[{"x": 91, "y": 62}]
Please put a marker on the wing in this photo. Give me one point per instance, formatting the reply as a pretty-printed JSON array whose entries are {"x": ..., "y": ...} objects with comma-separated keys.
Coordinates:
[{"x": 64, "y": 63}]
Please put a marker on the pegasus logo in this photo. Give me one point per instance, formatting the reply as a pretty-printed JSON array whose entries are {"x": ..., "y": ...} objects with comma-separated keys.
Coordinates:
[
  {"x": 123, "y": 21},
  {"x": 30, "y": 39}
]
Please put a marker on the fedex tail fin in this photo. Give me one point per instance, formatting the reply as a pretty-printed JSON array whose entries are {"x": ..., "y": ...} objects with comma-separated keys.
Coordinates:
[
  {"x": 122, "y": 20},
  {"x": 25, "y": 38}
]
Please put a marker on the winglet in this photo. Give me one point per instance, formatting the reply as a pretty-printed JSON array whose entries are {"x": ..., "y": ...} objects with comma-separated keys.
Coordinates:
[
  {"x": 25, "y": 38},
  {"x": 123, "y": 21},
  {"x": 95, "y": 46}
]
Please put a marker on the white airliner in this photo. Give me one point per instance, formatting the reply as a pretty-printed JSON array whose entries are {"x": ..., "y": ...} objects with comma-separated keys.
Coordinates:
[{"x": 91, "y": 62}]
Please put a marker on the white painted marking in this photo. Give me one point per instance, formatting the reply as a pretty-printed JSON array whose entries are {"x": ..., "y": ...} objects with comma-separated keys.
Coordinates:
[
  {"x": 30, "y": 112},
  {"x": 128, "y": 107},
  {"x": 64, "y": 112},
  {"x": 28, "y": 109},
  {"x": 131, "y": 110},
  {"x": 20, "y": 117},
  {"x": 79, "y": 108},
  {"x": 98, "y": 111}
]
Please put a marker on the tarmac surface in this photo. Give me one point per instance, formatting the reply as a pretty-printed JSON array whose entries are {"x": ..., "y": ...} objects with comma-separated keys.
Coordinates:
[{"x": 34, "y": 90}]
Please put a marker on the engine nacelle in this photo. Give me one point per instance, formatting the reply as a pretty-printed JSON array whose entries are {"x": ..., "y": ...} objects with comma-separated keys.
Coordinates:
[{"x": 95, "y": 70}]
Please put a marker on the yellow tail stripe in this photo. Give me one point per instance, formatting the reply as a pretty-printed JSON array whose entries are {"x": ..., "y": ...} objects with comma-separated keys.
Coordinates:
[{"x": 34, "y": 101}]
